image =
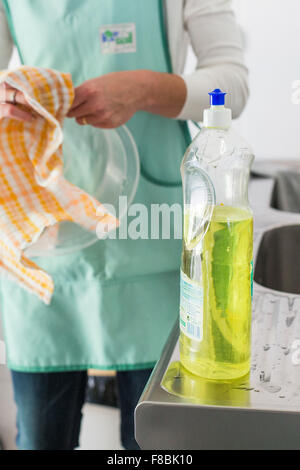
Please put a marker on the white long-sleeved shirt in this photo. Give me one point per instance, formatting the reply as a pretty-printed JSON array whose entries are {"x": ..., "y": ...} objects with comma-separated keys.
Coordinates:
[{"x": 211, "y": 29}]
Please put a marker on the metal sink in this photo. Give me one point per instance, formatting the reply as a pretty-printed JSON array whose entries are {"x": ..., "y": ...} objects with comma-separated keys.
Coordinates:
[
  {"x": 286, "y": 177},
  {"x": 278, "y": 260}
]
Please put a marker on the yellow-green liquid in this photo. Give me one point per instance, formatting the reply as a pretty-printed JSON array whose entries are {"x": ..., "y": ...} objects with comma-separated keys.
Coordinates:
[{"x": 221, "y": 263}]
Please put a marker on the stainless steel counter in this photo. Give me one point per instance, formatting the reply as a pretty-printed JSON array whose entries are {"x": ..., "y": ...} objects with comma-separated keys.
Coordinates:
[{"x": 262, "y": 411}]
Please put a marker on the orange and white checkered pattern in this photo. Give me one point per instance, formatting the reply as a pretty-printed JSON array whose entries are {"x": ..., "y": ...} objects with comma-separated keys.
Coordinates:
[{"x": 34, "y": 194}]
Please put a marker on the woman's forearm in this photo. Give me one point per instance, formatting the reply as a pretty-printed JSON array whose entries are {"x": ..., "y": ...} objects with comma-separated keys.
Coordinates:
[{"x": 164, "y": 94}]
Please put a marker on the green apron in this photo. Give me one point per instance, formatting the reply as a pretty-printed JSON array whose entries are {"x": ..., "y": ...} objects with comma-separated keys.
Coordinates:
[{"x": 115, "y": 302}]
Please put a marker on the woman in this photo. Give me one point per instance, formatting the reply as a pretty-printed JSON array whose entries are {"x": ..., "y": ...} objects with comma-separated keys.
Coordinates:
[{"x": 114, "y": 303}]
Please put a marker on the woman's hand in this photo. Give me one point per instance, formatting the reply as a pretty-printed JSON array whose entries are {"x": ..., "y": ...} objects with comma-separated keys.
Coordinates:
[
  {"x": 112, "y": 100},
  {"x": 108, "y": 101},
  {"x": 10, "y": 99}
]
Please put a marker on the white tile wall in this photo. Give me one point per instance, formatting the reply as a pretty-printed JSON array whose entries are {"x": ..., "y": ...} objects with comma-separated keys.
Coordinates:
[
  {"x": 100, "y": 428},
  {"x": 271, "y": 122}
]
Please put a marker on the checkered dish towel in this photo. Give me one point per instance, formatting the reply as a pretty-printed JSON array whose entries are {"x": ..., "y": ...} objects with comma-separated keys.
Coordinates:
[{"x": 33, "y": 192}]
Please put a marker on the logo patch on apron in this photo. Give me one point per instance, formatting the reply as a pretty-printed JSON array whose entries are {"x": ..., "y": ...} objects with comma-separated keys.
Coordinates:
[{"x": 118, "y": 38}]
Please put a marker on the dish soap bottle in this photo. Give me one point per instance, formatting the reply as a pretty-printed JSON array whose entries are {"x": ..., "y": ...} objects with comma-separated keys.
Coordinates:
[{"x": 217, "y": 267}]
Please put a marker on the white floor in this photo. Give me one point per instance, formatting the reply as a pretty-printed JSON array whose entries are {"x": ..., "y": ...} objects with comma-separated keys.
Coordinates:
[
  {"x": 100, "y": 429},
  {"x": 100, "y": 426}
]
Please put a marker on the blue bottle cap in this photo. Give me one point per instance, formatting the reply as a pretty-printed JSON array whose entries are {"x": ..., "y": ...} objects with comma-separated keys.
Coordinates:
[{"x": 217, "y": 97}]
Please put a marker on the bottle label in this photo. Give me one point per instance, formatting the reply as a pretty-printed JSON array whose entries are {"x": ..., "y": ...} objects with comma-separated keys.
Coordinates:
[{"x": 191, "y": 308}]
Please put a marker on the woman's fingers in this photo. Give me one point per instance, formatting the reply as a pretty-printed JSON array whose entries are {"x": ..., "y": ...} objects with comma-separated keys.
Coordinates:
[
  {"x": 96, "y": 121},
  {"x": 89, "y": 119},
  {"x": 79, "y": 100},
  {"x": 11, "y": 95},
  {"x": 84, "y": 121},
  {"x": 80, "y": 111},
  {"x": 88, "y": 100},
  {"x": 8, "y": 110},
  {"x": 4, "y": 88},
  {"x": 15, "y": 97},
  {"x": 10, "y": 98}
]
